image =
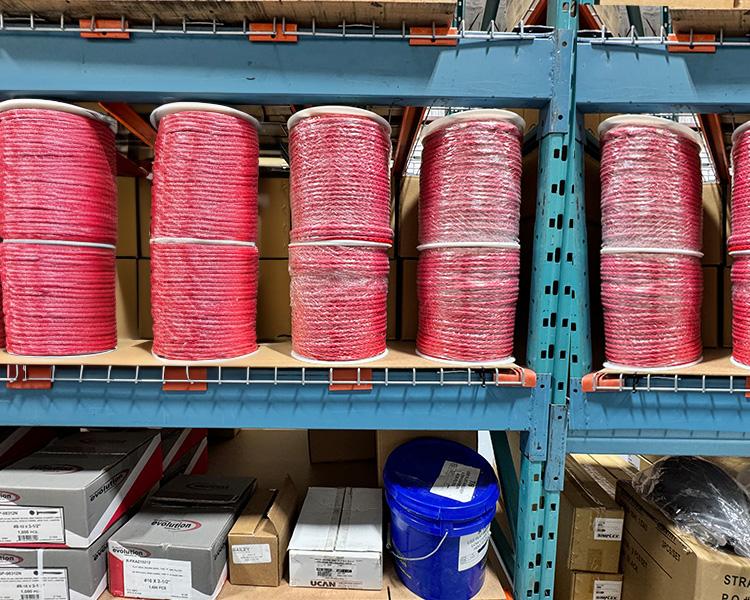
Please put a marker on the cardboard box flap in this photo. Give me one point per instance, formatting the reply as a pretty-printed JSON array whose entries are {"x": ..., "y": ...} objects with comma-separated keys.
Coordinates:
[
  {"x": 318, "y": 521},
  {"x": 360, "y": 529},
  {"x": 282, "y": 510},
  {"x": 107, "y": 441},
  {"x": 255, "y": 512}
]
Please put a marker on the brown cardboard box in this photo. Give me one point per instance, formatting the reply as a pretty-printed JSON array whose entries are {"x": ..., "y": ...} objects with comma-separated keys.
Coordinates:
[
  {"x": 591, "y": 522},
  {"x": 713, "y": 224},
  {"x": 274, "y": 320},
  {"x": 409, "y": 314},
  {"x": 145, "y": 322},
  {"x": 259, "y": 539},
  {"x": 332, "y": 445},
  {"x": 710, "y": 311},
  {"x": 727, "y": 312},
  {"x": 408, "y": 224},
  {"x": 127, "y": 220},
  {"x": 144, "y": 216},
  {"x": 660, "y": 561},
  {"x": 387, "y": 441},
  {"x": 126, "y": 298},
  {"x": 589, "y": 586},
  {"x": 274, "y": 217}
]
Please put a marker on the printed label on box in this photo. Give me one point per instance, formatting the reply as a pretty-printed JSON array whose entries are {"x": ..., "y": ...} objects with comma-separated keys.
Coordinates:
[
  {"x": 608, "y": 529},
  {"x": 633, "y": 460},
  {"x": 251, "y": 554},
  {"x": 157, "y": 578},
  {"x": 472, "y": 548},
  {"x": 27, "y": 524},
  {"x": 33, "y": 584},
  {"x": 456, "y": 481},
  {"x": 607, "y": 590}
]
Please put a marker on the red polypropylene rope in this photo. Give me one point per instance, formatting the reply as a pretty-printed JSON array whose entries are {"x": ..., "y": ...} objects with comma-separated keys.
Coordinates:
[
  {"x": 205, "y": 177},
  {"x": 57, "y": 177},
  {"x": 203, "y": 300},
  {"x": 740, "y": 238},
  {"x": 741, "y": 309},
  {"x": 652, "y": 309},
  {"x": 470, "y": 183},
  {"x": 2, "y": 319},
  {"x": 338, "y": 297},
  {"x": 467, "y": 303},
  {"x": 340, "y": 184},
  {"x": 58, "y": 300},
  {"x": 651, "y": 189}
]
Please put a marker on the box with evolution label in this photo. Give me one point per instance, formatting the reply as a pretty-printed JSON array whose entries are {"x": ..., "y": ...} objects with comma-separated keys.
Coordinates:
[
  {"x": 70, "y": 492},
  {"x": 184, "y": 451}
]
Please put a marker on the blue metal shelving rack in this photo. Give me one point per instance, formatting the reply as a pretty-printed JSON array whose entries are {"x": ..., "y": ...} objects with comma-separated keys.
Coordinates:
[{"x": 41, "y": 59}]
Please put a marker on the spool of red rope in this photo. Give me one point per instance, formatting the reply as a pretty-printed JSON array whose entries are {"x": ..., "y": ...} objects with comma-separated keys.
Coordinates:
[
  {"x": 651, "y": 184},
  {"x": 340, "y": 184},
  {"x": 205, "y": 173},
  {"x": 2, "y": 320},
  {"x": 652, "y": 309},
  {"x": 338, "y": 297},
  {"x": 58, "y": 299},
  {"x": 741, "y": 309},
  {"x": 57, "y": 173},
  {"x": 470, "y": 179},
  {"x": 203, "y": 300},
  {"x": 467, "y": 303},
  {"x": 740, "y": 238}
]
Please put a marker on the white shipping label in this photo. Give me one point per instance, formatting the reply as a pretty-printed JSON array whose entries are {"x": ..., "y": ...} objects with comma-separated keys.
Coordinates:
[
  {"x": 158, "y": 578},
  {"x": 607, "y": 590},
  {"x": 456, "y": 481},
  {"x": 251, "y": 554},
  {"x": 30, "y": 524},
  {"x": 608, "y": 529},
  {"x": 33, "y": 584},
  {"x": 472, "y": 548}
]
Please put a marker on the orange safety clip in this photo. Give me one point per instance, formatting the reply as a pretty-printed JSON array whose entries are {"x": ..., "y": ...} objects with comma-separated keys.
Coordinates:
[
  {"x": 525, "y": 377},
  {"x": 29, "y": 377},
  {"x": 437, "y": 36},
  {"x": 279, "y": 32},
  {"x": 350, "y": 375},
  {"x": 594, "y": 382},
  {"x": 104, "y": 24},
  {"x": 185, "y": 379},
  {"x": 688, "y": 38}
]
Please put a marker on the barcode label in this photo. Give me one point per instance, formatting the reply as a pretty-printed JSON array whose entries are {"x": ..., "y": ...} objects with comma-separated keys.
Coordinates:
[
  {"x": 324, "y": 572},
  {"x": 31, "y": 524},
  {"x": 33, "y": 584},
  {"x": 456, "y": 481}
]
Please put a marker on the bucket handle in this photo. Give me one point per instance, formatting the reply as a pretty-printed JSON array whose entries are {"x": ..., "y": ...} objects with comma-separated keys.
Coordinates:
[{"x": 389, "y": 545}]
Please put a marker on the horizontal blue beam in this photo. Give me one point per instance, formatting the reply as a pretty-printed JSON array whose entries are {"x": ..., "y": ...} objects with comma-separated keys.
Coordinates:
[
  {"x": 650, "y": 79},
  {"x": 622, "y": 443},
  {"x": 160, "y": 68}
]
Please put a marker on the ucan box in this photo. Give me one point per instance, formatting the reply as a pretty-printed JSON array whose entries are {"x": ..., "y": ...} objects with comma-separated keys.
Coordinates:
[{"x": 70, "y": 492}]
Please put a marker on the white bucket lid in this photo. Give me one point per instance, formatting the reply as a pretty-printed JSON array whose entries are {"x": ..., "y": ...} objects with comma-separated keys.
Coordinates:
[
  {"x": 673, "y": 251},
  {"x": 337, "y": 110},
  {"x": 505, "y": 245},
  {"x": 479, "y": 114},
  {"x": 22, "y": 103},
  {"x": 359, "y": 243},
  {"x": 739, "y": 131},
  {"x": 176, "y": 107},
  {"x": 649, "y": 121}
]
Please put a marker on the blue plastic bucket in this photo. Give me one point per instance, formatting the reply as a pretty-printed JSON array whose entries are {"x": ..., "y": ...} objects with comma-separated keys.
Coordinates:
[{"x": 442, "y": 498}]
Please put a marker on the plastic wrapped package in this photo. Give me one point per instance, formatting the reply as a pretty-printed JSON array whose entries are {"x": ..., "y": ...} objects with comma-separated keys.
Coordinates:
[
  {"x": 470, "y": 179},
  {"x": 652, "y": 309},
  {"x": 701, "y": 498},
  {"x": 741, "y": 309},
  {"x": 203, "y": 300},
  {"x": 338, "y": 296},
  {"x": 58, "y": 298},
  {"x": 57, "y": 173},
  {"x": 339, "y": 181},
  {"x": 652, "y": 188},
  {"x": 467, "y": 303},
  {"x": 739, "y": 240},
  {"x": 205, "y": 173}
]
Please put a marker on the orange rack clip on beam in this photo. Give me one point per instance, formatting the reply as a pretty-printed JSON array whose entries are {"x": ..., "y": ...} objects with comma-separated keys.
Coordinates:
[
  {"x": 595, "y": 382},
  {"x": 688, "y": 38},
  {"x": 29, "y": 377},
  {"x": 280, "y": 32},
  {"x": 437, "y": 36},
  {"x": 104, "y": 24},
  {"x": 525, "y": 377},
  {"x": 180, "y": 379},
  {"x": 350, "y": 375}
]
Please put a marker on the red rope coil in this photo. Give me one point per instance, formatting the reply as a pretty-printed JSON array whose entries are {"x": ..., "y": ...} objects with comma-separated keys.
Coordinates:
[
  {"x": 57, "y": 177},
  {"x": 340, "y": 185},
  {"x": 338, "y": 297},
  {"x": 205, "y": 177},
  {"x": 741, "y": 309},
  {"x": 58, "y": 300},
  {"x": 470, "y": 183},
  {"x": 651, "y": 189},
  {"x": 467, "y": 303},
  {"x": 2, "y": 319},
  {"x": 652, "y": 309},
  {"x": 740, "y": 238},
  {"x": 203, "y": 300}
]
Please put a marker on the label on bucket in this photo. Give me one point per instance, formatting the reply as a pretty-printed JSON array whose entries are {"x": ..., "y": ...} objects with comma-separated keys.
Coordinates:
[
  {"x": 456, "y": 481},
  {"x": 472, "y": 548}
]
